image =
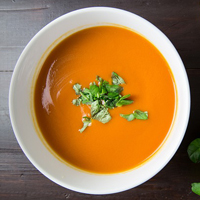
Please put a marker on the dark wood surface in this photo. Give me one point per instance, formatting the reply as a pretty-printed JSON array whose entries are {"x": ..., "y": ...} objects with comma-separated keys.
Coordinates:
[{"x": 20, "y": 20}]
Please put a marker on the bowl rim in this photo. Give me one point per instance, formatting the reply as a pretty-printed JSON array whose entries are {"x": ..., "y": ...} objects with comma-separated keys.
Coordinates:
[{"x": 17, "y": 69}]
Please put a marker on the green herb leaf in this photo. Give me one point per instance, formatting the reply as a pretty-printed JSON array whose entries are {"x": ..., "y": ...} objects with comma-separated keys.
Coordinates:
[
  {"x": 129, "y": 117},
  {"x": 114, "y": 88},
  {"x": 99, "y": 79},
  {"x": 77, "y": 88},
  {"x": 88, "y": 94},
  {"x": 77, "y": 102},
  {"x": 86, "y": 98},
  {"x": 112, "y": 95},
  {"x": 138, "y": 114},
  {"x": 194, "y": 151},
  {"x": 125, "y": 96},
  {"x": 103, "y": 116},
  {"x": 86, "y": 122},
  {"x": 95, "y": 108},
  {"x": 110, "y": 103},
  {"x": 94, "y": 90},
  {"x": 123, "y": 102},
  {"x": 196, "y": 188},
  {"x": 116, "y": 79}
]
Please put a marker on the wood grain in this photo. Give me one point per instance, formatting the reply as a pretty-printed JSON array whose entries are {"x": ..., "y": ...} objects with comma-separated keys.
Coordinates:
[{"x": 20, "y": 20}]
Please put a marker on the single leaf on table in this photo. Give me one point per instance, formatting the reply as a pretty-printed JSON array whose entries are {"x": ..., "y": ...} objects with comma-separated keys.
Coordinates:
[
  {"x": 196, "y": 188},
  {"x": 129, "y": 117},
  {"x": 86, "y": 122},
  {"x": 116, "y": 79},
  {"x": 138, "y": 114},
  {"x": 77, "y": 88},
  {"x": 103, "y": 116},
  {"x": 194, "y": 151}
]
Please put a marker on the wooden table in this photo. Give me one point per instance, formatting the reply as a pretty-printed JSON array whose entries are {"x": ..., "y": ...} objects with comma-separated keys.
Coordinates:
[{"x": 20, "y": 20}]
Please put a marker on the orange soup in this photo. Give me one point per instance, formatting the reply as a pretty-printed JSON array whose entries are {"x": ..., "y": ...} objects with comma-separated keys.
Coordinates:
[{"x": 118, "y": 145}]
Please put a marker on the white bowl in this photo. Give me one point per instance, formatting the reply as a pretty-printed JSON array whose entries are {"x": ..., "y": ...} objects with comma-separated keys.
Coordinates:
[{"x": 20, "y": 102}]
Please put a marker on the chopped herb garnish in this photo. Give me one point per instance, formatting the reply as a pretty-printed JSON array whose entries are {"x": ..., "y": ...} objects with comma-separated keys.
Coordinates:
[
  {"x": 140, "y": 115},
  {"x": 129, "y": 117},
  {"x": 137, "y": 114},
  {"x": 103, "y": 116},
  {"x": 104, "y": 96},
  {"x": 116, "y": 79},
  {"x": 77, "y": 88},
  {"x": 86, "y": 122},
  {"x": 77, "y": 102}
]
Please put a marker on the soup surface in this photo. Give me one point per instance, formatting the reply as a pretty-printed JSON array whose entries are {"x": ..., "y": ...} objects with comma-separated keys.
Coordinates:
[{"x": 118, "y": 145}]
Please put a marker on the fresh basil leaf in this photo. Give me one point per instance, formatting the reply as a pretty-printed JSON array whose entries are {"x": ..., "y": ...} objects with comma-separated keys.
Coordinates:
[
  {"x": 110, "y": 103},
  {"x": 103, "y": 90},
  {"x": 95, "y": 108},
  {"x": 87, "y": 92},
  {"x": 103, "y": 116},
  {"x": 77, "y": 88},
  {"x": 116, "y": 79},
  {"x": 125, "y": 96},
  {"x": 86, "y": 122},
  {"x": 138, "y": 114},
  {"x": 196, "y": 188},
  {"x": 112, "y": 95},
  {"x": 94, "y": 90},
  {"x": 129, "y": 117},
  {"x": 114, "y": 88},
  {"x": 86, "y": 98},
  {"x": 123, "y": 102},
  {"x": 99, "y": 79},
  {"x": 194, "y": 151},
  {"x": 76, "y": 102},
  {"x": 93, "y": 83}
]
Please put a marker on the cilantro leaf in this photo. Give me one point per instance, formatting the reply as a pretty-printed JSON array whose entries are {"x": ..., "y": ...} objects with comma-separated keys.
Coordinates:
[
  {"x": 129, "y": 117},
  {"x": 86, "y": 122},
  {"x": 116, "y": 79},
  {"x": 103, "y": 116},
  {"x": 196, "y": 188},
  {"x": 77, "y": 88},
  {"x": 138, "y": 114}
]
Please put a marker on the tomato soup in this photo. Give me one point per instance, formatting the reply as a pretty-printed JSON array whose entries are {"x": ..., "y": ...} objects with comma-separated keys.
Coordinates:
[{"x": 118, "y": 145}]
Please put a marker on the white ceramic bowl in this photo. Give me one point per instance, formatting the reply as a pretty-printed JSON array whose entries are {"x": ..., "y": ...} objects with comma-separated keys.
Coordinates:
[{"x": 20, "y": 102}]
